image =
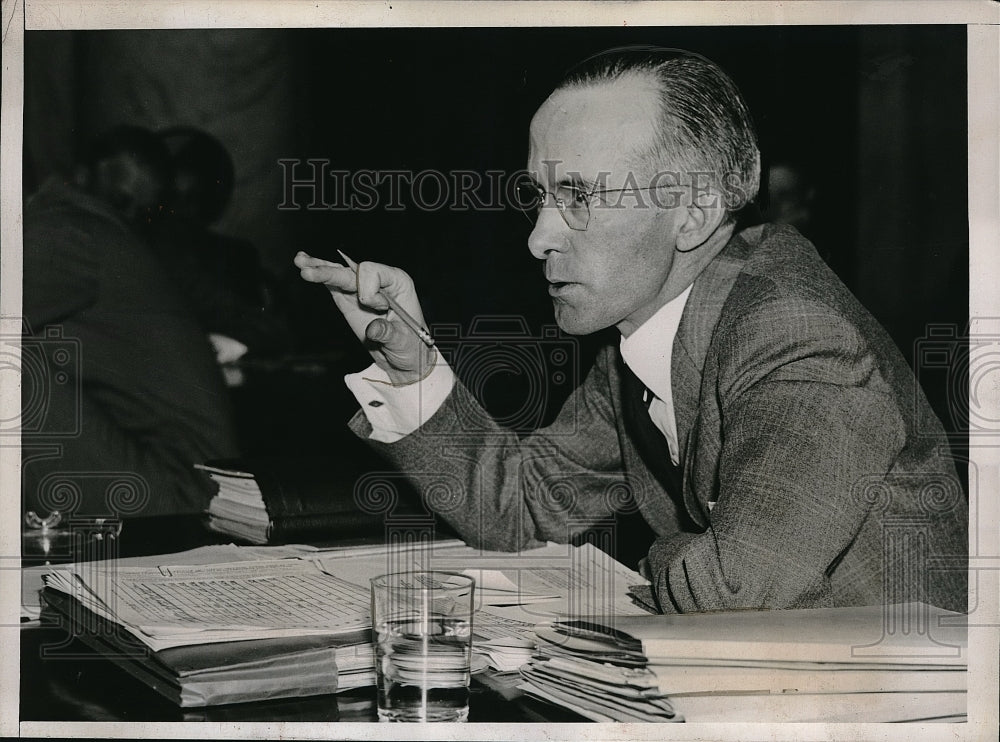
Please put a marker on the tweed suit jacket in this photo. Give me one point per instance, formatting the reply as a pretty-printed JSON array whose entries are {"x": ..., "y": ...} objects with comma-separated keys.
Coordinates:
[{"x": 814, "y": 472}]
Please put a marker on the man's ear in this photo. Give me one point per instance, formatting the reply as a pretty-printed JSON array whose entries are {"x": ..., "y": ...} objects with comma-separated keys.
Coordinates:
[{"x": 704, "y": 215}]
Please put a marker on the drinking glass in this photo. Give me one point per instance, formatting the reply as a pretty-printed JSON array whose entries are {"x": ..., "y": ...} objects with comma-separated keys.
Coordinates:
[{"x": 422, "y": 623}]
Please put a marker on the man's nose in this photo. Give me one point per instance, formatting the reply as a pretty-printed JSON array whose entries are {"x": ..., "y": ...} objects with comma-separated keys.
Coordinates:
[{"x": 549, "y": 233}]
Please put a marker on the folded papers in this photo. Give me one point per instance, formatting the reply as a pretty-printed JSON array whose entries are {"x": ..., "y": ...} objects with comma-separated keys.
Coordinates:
[
  {"x": 908, "y": 660},
  {"x": 225, "y": 672}
]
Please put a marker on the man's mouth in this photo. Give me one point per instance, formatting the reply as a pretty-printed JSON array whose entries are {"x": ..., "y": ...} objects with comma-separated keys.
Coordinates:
[{"x": 559, "y": 287}]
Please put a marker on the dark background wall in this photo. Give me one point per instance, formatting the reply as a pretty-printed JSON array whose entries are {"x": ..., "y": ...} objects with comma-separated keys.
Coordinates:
[{"x": 874, "y": 118}]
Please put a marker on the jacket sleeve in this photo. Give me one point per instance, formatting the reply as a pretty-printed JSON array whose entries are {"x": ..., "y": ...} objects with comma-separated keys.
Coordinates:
[
  {"x": 805, "y": 415},
  {"x": 156, "y": 476},
  {"x": 505, "y": 493}
]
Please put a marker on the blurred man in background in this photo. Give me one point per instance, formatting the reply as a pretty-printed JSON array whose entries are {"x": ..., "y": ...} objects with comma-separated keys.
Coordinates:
[{"x": 124, "y": 381}]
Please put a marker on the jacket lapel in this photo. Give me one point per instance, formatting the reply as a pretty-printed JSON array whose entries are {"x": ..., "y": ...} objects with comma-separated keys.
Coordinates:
[{"x": 694, "y": 336}]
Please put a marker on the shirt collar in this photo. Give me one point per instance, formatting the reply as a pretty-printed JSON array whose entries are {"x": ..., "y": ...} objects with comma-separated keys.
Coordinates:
[{"x": 648, "y": 350}]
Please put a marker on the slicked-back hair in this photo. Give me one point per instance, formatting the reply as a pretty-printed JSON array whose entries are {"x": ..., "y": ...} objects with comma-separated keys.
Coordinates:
[
  {"x": 704, "y": 124},
  {"x": 209, "y": 167}
]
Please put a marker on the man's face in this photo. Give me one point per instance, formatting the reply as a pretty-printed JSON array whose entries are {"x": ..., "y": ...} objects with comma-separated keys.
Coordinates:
[
  {"x": 131, "y": 189},
  {"x": 615, "y": 272}
]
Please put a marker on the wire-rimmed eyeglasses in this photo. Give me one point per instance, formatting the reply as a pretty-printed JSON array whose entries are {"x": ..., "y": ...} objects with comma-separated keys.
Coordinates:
[{"x": 572, "y": 201}]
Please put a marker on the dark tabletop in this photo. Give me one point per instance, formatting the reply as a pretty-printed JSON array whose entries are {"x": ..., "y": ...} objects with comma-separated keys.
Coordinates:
[{"x": 63, "y": 680}]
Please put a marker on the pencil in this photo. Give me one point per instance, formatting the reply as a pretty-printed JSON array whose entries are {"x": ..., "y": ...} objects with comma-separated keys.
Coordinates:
[{"x": 400, "y": 312}]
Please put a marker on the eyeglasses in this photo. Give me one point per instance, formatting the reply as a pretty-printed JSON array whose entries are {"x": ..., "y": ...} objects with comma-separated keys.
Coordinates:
[{"x": 573, "y": 203}]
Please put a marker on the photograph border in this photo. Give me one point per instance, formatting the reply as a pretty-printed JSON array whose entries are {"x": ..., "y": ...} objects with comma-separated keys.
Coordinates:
[{"x": 982, "y": 19}]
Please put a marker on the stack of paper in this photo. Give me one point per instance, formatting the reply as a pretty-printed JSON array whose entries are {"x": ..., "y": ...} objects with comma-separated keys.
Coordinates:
[
  {"x": 536, "y": 588},
  {"x": 226, "y": 672},
  {"x": 225, "y": 624},
  {"x": 238, "y": 508},
  {"x": 878, "y": 663},
  {"x": 172, "y": 606},
  {"x": 212, "y": 634},
  {"x": 599, "y": 673},
  {"x": 506, "y": 654},
  {"x": 277, "y": 500}
]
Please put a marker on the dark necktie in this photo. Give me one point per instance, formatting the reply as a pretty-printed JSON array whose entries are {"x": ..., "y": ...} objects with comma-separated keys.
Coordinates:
[
  {"x": 633, "y": 535},
  {"x": 649, "y": 440}
]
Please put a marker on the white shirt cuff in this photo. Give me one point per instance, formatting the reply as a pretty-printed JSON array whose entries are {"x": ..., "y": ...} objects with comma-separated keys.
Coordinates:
[{"x": 396, "y": 411}]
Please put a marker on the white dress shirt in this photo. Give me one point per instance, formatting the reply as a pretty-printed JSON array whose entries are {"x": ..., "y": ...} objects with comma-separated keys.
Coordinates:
[
  {"x": 396, "y": 411},
  {"x": 648, "y": 352}
]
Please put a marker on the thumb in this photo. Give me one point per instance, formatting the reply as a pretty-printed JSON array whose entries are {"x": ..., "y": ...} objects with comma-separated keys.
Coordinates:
[
  {"x": 380, "y": 331},
  {"x": 398, "y": 344},
  {"x": 395, "y": 348}
]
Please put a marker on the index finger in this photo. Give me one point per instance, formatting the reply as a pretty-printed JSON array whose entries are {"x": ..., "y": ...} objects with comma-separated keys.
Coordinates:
[
  {"x": 303, "y": 260},
  {"x": 334, "y": 275},
  {"x": 377, "y": 280}
]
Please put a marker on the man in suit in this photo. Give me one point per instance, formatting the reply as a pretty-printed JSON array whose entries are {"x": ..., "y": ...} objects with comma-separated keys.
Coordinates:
[
  {"x": 761, "y": 421},
  {"x": 129, "y": 391}
]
